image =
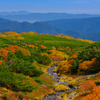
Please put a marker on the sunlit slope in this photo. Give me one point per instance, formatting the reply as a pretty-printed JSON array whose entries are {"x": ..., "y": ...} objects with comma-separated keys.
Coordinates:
[{"x": 53, "y": 41}]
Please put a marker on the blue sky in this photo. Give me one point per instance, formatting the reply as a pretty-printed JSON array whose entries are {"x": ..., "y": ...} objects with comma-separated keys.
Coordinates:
[{"x": 44, "y": 6}]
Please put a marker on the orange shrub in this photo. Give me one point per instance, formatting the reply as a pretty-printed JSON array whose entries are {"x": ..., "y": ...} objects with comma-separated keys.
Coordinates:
[
  {"x": 86, "y": 64},
  {"x": 43, "y": 46},
  {"x": 89, "y": 91},
  {"x": 0, "y": 62},
  {"x": 74, "y": 55},
  {"x": 13, "y": 48},
  {"x": 4, "y": 53},
  {"x": 30, "y": 45}
]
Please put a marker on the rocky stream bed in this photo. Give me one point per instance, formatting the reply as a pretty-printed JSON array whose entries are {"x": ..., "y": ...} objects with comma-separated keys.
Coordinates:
[{"x": 56, "y": 78}]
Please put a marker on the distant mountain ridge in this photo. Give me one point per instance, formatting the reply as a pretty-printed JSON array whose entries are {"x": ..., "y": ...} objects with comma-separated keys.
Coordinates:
[
  {"x": 40, "y": 27},
  {"x": 14, "y": 13},
  {"x": 33, "y": 17},
  {"x": 75, "y": 34},
  {"x": 86, "y": 28},
  {"x": 82, "y": 25}
]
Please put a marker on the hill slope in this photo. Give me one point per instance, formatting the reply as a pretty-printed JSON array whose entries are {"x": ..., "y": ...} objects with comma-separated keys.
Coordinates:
[{"x": 26, "y": 59}]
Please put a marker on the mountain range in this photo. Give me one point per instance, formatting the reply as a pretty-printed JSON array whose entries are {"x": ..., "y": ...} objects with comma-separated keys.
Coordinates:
[
  {"x": 82, "y": 25},
  {"x": 14, "y": 13},
  {"x": 40, "y": 27},
  {"x": 33, "y": 17},
  {"x": 87, "y": 28}
]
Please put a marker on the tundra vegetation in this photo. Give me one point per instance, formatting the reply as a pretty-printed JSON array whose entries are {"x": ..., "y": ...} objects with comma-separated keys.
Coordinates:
[{"x": 26, "y": 56}]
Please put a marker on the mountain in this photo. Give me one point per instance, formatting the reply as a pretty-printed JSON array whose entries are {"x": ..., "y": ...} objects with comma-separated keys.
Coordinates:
[
  {"x": 40, "y": 27},
  {"x": 86, "y": 28},
  {"x": 75, "y": 34},
  {"x": 33, "y": 17},
  {"x": 82, "y": 25},
  {"x": 93, "y": 36},
  {"x": 14, "y": 13}
]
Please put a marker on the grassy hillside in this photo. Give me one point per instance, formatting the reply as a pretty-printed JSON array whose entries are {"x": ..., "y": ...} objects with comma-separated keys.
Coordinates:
[
  {"x": 54, "y": 41},
  {"x": 24, "y": 60}
]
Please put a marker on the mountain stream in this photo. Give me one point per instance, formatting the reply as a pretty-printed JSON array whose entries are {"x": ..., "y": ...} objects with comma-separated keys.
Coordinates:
[{"x": 56, "y": 77}]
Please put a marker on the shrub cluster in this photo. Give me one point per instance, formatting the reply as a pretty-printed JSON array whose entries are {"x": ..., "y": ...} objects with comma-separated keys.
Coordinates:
[
  {"x": 24, "y": 67},
  {"x": 16, "y": 82},
  {"x": 41, "y": 59},
  {"x": 90, "y": 58}
]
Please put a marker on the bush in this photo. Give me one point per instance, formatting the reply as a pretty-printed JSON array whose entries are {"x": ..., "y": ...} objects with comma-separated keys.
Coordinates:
[
  {"x": 49, "y": 52},
  {"x": 15, "y": 82},
  {"x": 92, "y": 51},
  {"x": 41, "y": 59},
  {"x": 11, "y": 56},
  {"x": 94, "y": 69},
  {"x": 21, "y": 66},
  {"x": 22, "y": 84},
  {"x": 40, "y": 50},
  {"x": 75, "y": 66},
  {"x": 97, "y": 82},
  {"x": 44, "y": 60},
  {"x": 6, "y": 78},
  {"x": 20, "y": 55}
]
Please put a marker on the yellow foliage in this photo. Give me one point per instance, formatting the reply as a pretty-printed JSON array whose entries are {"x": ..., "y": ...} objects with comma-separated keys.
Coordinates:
[
  {"x": 23, "y": 33},
  {"x": 55, "y": 69},
  {"x": 53, "y": 48},
  {"x": 30, "y": 33},
  {"x": 68, "y": 37},
  {"x": 71, "y": 79},
  {"x": 17, "y": 36},
  {"x": 89, "y": 41},
  {"x": 25, "y": 52},
  {"x": 64, "y": 67},
  {"x": 63, "y": 96},
  {"x": 57, "y": 36},
  {"x": 59, "y": 87},
  {"x": 2, "y": 35},
  {"x": 47, "y": 34}
]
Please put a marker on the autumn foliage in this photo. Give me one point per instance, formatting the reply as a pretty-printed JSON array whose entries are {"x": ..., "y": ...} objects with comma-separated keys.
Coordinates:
[{"x": 25, "y": 57}]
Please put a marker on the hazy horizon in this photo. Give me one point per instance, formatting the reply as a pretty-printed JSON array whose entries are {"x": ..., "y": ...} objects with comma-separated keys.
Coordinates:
[
  {"x": 43, "y": 12},
  {"x": 52, "y": 6}
]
